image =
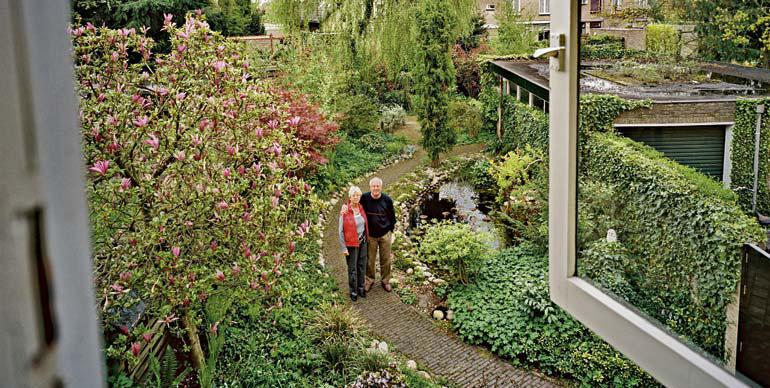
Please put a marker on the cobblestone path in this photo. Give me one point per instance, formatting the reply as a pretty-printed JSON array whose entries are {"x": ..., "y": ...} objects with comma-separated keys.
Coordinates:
[{"x": 414, "y": 334}]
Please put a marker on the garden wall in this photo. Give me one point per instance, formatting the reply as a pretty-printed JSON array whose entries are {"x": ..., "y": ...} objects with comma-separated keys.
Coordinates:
[{"x": 742, "y": 173}]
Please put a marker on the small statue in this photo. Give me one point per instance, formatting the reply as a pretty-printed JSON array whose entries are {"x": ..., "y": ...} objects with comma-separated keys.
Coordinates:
[{"x": 612, "y": 236}]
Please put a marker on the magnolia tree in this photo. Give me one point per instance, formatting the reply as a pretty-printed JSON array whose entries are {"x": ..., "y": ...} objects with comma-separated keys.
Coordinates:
[{"x": 195, "y": 175}]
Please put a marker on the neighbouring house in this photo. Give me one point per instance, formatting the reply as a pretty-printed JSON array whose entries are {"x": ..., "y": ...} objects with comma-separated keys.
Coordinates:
[
  {"x": 538, "y": 12},
  {"x": 688, "y": 122}
]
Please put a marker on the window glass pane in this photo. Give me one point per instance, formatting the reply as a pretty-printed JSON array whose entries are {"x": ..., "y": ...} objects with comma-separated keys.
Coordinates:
[{"x": 672, "y": 184}]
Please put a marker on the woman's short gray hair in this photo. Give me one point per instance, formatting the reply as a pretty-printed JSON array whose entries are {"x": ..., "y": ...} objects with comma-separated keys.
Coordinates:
[{"x": 354, "y": 190}]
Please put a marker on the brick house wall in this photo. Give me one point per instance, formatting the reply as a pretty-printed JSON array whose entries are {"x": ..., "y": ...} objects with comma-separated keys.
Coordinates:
[{"x": 681, "y": 112}]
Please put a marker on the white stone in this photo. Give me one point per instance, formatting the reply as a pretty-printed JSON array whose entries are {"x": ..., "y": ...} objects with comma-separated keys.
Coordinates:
[
  {"x": 411, "y": 364},
  {"x": 424, "y": 374},
  {"x": 409, "y": 271},
  {"x": 438, "y": 281},
  {"x": 450, "y": 315},
  {"x": 383, "y": 347},
  {"x": 612, "y": 236},
  {"x": 393, "y": 281},
  {"x": 438, "y": 315},
  {"x": 425, "y": 282},
  {"x": 427, "y": 274}
]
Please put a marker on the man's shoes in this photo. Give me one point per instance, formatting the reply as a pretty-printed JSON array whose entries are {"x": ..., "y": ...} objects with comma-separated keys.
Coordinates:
[
  {"x": 387, "y": 287},
  {"x": 368, "y": 285},
  {"x": 362, "y": 293},
  {"x": 353, "y": 296}
]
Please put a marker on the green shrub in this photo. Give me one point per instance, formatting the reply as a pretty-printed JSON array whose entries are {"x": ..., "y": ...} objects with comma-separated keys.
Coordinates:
[
  {"x": 373, "y": 142},
  {"x": 393, "y": 116},
  {"x": 455, "y": 250},
  {"x": 603, "y": 39},
  {"x": 663, "y": 39},
  {"x": 358, "y": 115},
  {"x": 335, "y": 323},
  {"x": 509, "y": 310},
  {"x": 477, "y": 173},
  {"x": 465, "y": 116},
  {"x": 406, "y": 295},
  {"x": 522, "y": 125},
  {"x": 742, "y": 156}
]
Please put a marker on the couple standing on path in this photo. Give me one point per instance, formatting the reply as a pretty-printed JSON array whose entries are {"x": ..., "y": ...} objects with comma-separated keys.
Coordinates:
[{"x": 366, "y": 227}]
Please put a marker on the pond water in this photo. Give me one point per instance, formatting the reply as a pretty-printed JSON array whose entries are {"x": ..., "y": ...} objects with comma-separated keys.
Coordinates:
[{"x": 456, "y": 202}]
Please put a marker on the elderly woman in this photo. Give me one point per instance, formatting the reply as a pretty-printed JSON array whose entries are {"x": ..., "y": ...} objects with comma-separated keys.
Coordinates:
[{"x": 354, "y": 232}]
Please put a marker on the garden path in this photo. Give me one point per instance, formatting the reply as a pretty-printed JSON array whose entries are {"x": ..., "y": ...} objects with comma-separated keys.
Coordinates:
[{"x": 411, "y": 332}]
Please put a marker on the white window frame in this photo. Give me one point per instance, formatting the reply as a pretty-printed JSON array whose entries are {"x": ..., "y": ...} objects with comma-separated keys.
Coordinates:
[
  {"x": 663, "y": 355},
  {"x": 516, "y": 5},
  {"x": 544, "y": 7},
  {"x": 490, "y": 8}
]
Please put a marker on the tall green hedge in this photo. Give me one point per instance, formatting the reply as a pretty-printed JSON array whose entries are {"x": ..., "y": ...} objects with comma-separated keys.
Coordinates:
[
  {"x": 663, "y": 39},
  {"x": 742, "y": 174},
  {"x": 684, "y": 229}
]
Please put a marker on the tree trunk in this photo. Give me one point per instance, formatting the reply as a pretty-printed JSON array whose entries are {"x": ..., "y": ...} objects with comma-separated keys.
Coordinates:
[{"x": 198, "y": 359}]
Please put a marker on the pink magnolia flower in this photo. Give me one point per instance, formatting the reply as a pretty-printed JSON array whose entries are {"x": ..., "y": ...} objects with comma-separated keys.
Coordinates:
[
  {"x": 147, "y": 337},
  {"x": 153, "y": 141},
  {"x": 226, "y": 172},
  {"x": 272, "y": 124},
  {"x": 294, "y": 121},
  {"x": 219, "y": 66},
  {"x": 232, "y": 150},
  {"x": 247, "y": 216},
  {"x": 124, "y": 330},
  {"x": 188, "y": 224},
  {"x": 135, "y": 98},
  {"x": 135, "y": 349},
  {"x": 222, "y": 205},
  {"x": 253, "y": 285},
  {"x": 213, "y": 246},
  {"x": 292, "y": 247},
  {"x": 219, "y": 276},
  {"x": 214, "y": 327},
  {"x": 162, "y": 91},
  {"x": 203, "y": 124},
  {"x": 235, "y": 270},
  {"x": 125, "y": 276},
  {"x": 307, "y": 188},
  {"x": 100, "y": 167},
  {"x": 100, "y": 97},
  {"x": 196, "y": 140},
  {"x": 274, "y": 201},
  {"x": 167, "y": 18},
  {"x": 142, "y": 121},
  {"x": 180, "y": 155},
  {"x": 176, "y": 251},
  {"x": 241, "y": 170},
  {"x": 112, "y": 121},
  {"x": 114, "y": 56},
  {"x": 277, "y": 193},
  {"x": 258, "y": 132},
  {"x": 180, "y": 96},
  {"x": 90, "y": 27},
  {"x": 125, "y": 184},
  {"x": 181, "y": 48},
  {"x": 116, "y": 287},
  {"x": 246, "y": 64}
]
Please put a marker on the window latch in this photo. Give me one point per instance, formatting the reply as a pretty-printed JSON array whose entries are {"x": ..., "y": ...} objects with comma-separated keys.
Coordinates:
[{"x": 555, "y": 52}]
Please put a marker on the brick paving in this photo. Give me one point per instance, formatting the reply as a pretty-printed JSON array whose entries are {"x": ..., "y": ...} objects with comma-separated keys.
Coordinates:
[{"x": 415, "y": 334}]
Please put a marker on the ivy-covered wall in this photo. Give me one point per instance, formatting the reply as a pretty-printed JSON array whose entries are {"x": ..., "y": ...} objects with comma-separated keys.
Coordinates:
[
  {"x": 742, "y": 157},
  {"x": 684, "y": 230}
]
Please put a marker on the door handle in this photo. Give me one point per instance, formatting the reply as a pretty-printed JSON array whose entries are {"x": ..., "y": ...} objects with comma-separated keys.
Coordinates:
[{"x": 556, "y": 52}]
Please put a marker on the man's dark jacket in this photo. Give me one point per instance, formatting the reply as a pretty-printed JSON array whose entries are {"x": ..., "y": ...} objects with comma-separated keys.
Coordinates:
[{"x": 379, "y": 213}]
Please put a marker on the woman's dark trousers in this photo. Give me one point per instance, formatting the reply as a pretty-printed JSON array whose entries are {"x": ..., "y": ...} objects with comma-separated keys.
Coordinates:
[{"x": 357, "y": 258}]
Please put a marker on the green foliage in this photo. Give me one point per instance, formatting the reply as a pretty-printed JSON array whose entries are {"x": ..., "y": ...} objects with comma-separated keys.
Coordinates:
[
  {"x": 435, "y": 75},
  {"x": 477, "y": 35},
  {"x": 685, "y": 230},
  {"x": 598, "y": 111},
  {"x": 352, "y": 158},
  {"x": 731, "y": 30},
  {"x": 514, "y": 35},
  {"x": 522, "y": 195},
  {"x": 164, "y": 371},
  {"x": 235, "y": 18},
  {"x": 406, "y": 295},
  {"x": 742, "y": 155},
  {"x": 663, "y": 39},
  {"x": 605, "y": 46},
  {"x": 393, "y": 116},
  {"x": 293, "y": 15},
  {"x": 522, "y": 125},
  {"x": 134, "y": 14},
  {"x": 358, "y": 116},
  {"x": 455, "y": 250},
  {"x": 465, "y": 116},
  {"x": 508, "y": 309},
  {"x": 477, "y": 173}
]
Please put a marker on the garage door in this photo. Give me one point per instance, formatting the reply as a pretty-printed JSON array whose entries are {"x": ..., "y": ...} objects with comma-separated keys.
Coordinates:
[{"x": 700, "y": 147}]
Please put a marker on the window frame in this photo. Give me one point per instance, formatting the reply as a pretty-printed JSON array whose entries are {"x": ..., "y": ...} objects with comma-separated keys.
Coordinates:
[
  {"x": 541, "y": 9},
  {"x": 490, "y": 8},
  {"x": 660, "y": 353}
]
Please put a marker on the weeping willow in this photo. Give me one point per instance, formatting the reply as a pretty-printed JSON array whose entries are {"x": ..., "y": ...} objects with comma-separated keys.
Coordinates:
[{"x": 372, "y": 35}]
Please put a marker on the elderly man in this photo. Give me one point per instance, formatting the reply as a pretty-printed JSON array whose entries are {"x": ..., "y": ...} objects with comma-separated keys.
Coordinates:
[{"x": 381, "y": 217}]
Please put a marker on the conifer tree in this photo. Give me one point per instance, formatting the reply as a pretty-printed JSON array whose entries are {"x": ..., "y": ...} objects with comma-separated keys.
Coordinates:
[{"x": 435, "y": 76}]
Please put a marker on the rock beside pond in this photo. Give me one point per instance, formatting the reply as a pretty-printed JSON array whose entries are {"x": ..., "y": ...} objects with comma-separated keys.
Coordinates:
[
  {"x": 383, "y": 347},
  {"x": 439, "y": 281},
  {"x": 427, "y": 274},
  {"x": 424, "y": 374},
  {"x": 409, "y": 271},
  {"x": 438, "y": 315},
  {"x": 450, "y": 315},
  {"x": 411, "y": 364}
]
